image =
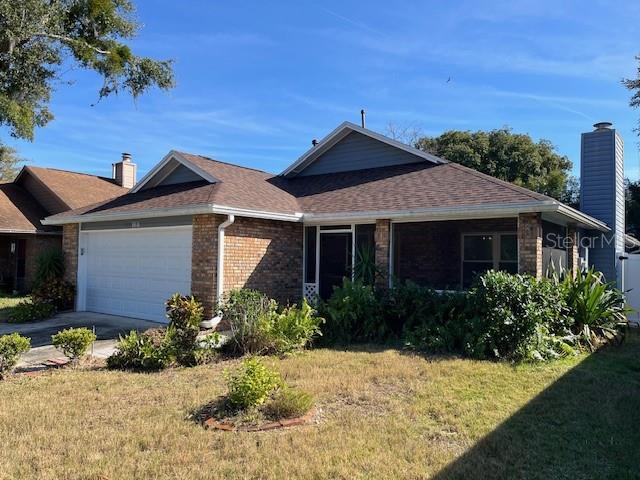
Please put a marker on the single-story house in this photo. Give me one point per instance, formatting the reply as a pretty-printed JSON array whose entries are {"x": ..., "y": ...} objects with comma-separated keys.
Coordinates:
[
  {"x": 36, "y": 193},
  {"x": 197, "y": 225}
]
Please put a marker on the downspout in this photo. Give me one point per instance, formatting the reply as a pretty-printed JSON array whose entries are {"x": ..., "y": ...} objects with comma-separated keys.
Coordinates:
[{"x": 220, "y": 270}]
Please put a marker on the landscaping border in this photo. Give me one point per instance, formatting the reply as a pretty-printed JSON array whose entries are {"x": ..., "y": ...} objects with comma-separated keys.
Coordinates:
[{"x": 212, "y": 423}]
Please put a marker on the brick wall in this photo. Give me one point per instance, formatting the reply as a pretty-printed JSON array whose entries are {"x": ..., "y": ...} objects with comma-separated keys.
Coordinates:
[
  {"x": 572, "y": 249},
  {"x": 204, "y": 256},
  {"x": 70, "y": 252},
  {"x": 530, "y": 243},
  {"x": 35, "y": 246},
  {"x": 264, "y": 255},
  {"x": 429, "y": 253},
  {"x": 382, "y": 239}
]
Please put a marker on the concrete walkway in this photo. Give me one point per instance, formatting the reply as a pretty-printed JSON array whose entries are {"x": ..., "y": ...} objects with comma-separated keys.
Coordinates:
[{"x": 107, "y": 328}]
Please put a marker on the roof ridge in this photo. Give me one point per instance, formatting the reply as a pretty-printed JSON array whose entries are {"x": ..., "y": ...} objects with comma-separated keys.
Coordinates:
[
  {"x": 497, "y": 181},
  {"x": 225, "y": 163},
  {"x": 102, "y": 177}
]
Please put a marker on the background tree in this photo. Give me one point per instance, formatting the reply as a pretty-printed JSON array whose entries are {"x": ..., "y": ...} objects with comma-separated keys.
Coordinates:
[
  {"x": 632, "y": 194},
  {"x": 506, "y": 155},
  {"x": 9, "y": 161},
  {"x": 39, "y": 37}
]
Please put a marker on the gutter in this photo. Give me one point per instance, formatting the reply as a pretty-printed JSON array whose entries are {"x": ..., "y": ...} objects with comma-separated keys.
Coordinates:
[{"x": 220, "y": 270}]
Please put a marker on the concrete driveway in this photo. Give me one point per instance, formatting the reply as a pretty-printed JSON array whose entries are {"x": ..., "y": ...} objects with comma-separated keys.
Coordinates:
[{"x": 107, "y": 328}]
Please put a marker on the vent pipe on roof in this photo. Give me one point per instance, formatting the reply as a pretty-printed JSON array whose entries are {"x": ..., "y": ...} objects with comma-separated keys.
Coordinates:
[
  {"x": 363, "y": 117},
  {"x": 314, "y": 142}
]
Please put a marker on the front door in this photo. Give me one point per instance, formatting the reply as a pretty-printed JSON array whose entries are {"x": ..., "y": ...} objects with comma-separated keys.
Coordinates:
[{"x": 335, "y": 260}]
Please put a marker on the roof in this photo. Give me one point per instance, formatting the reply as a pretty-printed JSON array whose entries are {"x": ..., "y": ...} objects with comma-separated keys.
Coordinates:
[
  {"x": 412, "y": 190},
  {"x": 341, "y": 132},
  {"x": 19, "y": 211},
  {"x": 74, "y": 189}
]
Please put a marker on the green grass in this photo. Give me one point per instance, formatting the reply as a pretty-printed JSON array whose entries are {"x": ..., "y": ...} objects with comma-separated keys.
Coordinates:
[
  {"x": 7, "y": 302},
  {"x": 383, "y": 414}
]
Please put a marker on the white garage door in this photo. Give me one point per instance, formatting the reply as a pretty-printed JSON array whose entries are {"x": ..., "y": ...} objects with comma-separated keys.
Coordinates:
[{"x": 132, "y": 272}]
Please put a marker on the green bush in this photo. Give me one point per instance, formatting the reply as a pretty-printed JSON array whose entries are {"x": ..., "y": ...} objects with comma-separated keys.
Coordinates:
[
  {"x": 249, "y": 314},
  {"x": 353, "y": 313},
  {"x": 251, "y": 384},
  {"x": 295, "y": 327},
  {"x": 287, "y": 402},
  {"x": 141, "y": 351},
  {"x": 11, "y": 347},
  {"x": 598, "y": 309},
  {"x": 505, "y": 311},
  {"x": 73, "y": 342},
  {"x": 56, "y": 292},
  {"x": 49, "y": 266},
  {"x": 185, "y": 315},
  {"x": 30, "y": 311}
]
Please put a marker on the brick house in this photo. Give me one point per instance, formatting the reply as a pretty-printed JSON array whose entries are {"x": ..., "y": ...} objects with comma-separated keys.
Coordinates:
[
  {"x": 39, "y": 192},
  {"x": 198, "y": 225}
]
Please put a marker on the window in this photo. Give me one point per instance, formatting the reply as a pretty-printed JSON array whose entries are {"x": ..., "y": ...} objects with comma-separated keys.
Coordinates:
[
  {"x": 310, "y": 254},
  {"x": 486, "y": 251}
]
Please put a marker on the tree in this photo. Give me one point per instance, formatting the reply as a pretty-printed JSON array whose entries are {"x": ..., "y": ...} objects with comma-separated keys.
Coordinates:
[
  {"x": 506, "y": 155},
  {"x": 9, "y": 161},
  {"x": 632, "y": 196},
  {"x": 38, "y": 38}
]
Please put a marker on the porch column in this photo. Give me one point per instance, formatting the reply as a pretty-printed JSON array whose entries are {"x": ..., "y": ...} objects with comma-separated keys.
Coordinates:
[
  {"x": 572, "y": 249},
  {"x": 70, "y": 234},
  {"x": 382, "y": 238},
  {"x": 530, "y": 244},
  {"x": 204, "y": 257}
]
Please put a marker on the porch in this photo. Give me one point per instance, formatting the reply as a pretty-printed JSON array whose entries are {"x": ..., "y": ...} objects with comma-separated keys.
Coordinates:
[
  {"x": 18, "y": 256},
  {"x": 443, "y": 254}
]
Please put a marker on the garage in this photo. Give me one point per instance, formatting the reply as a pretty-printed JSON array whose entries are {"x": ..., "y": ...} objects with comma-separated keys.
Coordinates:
[{"x": 131, "y": 272}]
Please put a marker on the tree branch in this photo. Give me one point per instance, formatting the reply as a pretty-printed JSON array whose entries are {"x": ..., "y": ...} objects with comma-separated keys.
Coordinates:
[{"x": 65, "y": 39}]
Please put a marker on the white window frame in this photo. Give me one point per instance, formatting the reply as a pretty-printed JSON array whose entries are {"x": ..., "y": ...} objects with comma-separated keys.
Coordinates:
[{"x": 495, "y": 251}]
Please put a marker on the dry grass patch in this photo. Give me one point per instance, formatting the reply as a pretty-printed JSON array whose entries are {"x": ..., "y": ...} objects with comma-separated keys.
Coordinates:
[{"x": 384, "y": 414}]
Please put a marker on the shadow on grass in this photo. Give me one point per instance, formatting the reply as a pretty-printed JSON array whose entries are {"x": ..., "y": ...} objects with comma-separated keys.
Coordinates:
[{"x": 585, "y": 425}]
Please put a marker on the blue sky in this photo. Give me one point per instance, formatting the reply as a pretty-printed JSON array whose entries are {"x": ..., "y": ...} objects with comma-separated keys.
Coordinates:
[{"x": 257, "y": 81}]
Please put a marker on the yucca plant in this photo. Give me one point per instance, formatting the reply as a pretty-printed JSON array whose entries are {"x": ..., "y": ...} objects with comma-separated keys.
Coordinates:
[{"x": 598, "y": 308}]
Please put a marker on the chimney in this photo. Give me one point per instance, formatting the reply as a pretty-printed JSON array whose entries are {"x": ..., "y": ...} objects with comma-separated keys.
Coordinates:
[
  {"x": 124, "y": 172},
  {"x": 602, "y": 195}
]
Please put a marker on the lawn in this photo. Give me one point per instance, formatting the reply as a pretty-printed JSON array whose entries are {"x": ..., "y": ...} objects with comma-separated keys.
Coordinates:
[
  {"x": 7, "y": 302},
  {"x": 384, "y": 414}
]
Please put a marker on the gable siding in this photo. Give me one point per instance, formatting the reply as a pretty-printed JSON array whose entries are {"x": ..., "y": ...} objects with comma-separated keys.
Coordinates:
[
  {"x": 48, "y": 200},
  {"x": 358, "y": 152},
  {"x": 181, "y": 174},
  {"x": 602, "y": 194}
]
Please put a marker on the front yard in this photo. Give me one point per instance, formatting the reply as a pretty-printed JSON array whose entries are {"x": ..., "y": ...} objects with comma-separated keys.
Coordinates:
[
  {"x": 7, "y": 302},
  {"x": 383, "y": 414}
]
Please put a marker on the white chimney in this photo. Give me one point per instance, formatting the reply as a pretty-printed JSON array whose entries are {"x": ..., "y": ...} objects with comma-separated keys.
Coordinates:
[{"x": 124, "y": 172}]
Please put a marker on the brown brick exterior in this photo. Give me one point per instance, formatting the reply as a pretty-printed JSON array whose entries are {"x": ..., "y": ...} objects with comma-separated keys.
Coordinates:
[
  {"x": 35, "y": 246},
  {"x": 572, "y": 249},
  {"x": 70, "y": 251},
  {"x": 430, "y": 253},
  {"x": 264, "y": 255},
  {"x": 530, "y": 244},
  {"x": 382, "y": 238},
  {"x": 204, "y": 255}
]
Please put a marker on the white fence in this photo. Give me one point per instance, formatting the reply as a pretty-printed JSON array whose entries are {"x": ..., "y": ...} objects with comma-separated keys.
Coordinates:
[{"x": 632, "y": 285}]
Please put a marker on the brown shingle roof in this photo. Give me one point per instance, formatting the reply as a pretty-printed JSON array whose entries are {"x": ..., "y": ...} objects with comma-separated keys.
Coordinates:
[
  {"x": 77, "y": 189},
  {"x": 402, "y": 187},
  {"x": 19, "y": 211}
]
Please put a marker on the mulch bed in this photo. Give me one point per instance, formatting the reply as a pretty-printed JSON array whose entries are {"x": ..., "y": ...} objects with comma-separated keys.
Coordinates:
[{"x": 212, "y": 423}]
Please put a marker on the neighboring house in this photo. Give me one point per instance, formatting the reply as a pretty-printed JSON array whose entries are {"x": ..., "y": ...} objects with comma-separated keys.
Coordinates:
[
  {"x": 39, "y": 192},
  {"x": 194, "y": 224}
]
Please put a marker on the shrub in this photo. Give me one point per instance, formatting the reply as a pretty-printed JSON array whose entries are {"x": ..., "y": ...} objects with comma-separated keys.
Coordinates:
[
  {"x": 49, "y": 266},
  {"x": 287, "y": 402},
  {"x": 505, "y": 311},
  {"x": 29, "y": 311},
  {"x": 56, "y": 292},
  {"x": 597, "y": 308},
  {"x": 251, "y": 384},
  {"x": 141, "y": 351},
  {"x": 185, "y": 315},
  {"x": 11, "y": 347},
  {"x": 249, "y": 314},
  {"x": 73, "y": 342},
  {"x": 295, "y": 327},
  {"x": 353, "y": 314}
]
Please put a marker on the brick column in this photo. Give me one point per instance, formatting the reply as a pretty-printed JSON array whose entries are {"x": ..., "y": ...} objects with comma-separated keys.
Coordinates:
[
  {"x": 70, "y": 234},
  {"x": 572, "y": 249},
  {"x": 382, "y": 239},
  {"x": 530, "y": 244},
  {"x": 204, "y": 257}
]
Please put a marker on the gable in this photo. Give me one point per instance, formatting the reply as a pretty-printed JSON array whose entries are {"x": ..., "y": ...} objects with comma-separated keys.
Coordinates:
[
  {"x": 49, "y": 201},
  {"x": 173, "y": 169},
  {"x": 180, "y": 174}
]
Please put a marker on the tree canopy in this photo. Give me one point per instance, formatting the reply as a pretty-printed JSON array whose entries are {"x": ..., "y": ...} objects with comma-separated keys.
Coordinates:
[
  {"x": 9, "y": 161},
  {"x": 506, "y": 155},
  {"x": 38, "y": 38},
  {"x": 632, "y": 193}
]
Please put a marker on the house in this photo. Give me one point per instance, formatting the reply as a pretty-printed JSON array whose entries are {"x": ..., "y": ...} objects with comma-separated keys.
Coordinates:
[
  {"x": 39, "y": 192},
  {"x": 194, "y": 224}
]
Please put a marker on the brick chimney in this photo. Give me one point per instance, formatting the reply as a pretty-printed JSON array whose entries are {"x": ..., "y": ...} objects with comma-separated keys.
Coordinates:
[{"x": 124, "y": 172}]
